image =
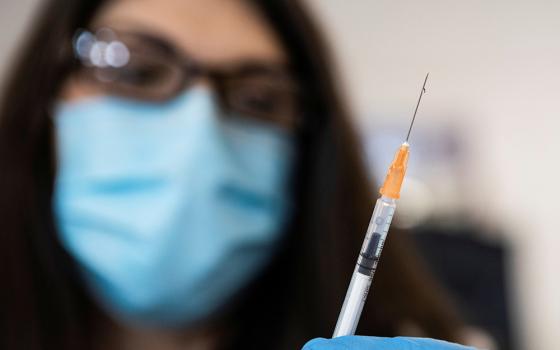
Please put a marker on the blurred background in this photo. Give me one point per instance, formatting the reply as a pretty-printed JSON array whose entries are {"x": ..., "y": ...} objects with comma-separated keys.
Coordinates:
[{"x": 481, "y": 194}]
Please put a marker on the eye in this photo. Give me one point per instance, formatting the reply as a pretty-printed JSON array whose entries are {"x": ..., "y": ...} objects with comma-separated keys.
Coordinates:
[
  {"x": 143, "y": 73},
  {"x": 146, "y": 78},
  {"x": 258, "y": 98},
  {"x": 268, "y": 100}
]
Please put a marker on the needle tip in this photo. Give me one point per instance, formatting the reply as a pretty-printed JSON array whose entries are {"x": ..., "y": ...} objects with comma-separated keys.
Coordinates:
[{"x": 422, "y": 91}]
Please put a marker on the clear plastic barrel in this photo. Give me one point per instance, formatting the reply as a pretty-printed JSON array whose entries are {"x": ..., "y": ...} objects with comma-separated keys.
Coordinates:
[
  {"x": 376, "y": 234},
  {"x": 365, "y": 268}
]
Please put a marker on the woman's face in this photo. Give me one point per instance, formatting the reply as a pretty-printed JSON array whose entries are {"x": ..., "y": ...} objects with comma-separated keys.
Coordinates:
[
  {"x": 172, "y": 185},
  {"x": 217, "y": 33}
]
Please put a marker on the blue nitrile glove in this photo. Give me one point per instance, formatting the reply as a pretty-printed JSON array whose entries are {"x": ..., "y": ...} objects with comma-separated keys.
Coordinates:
[{"x": 378, "y": 343}]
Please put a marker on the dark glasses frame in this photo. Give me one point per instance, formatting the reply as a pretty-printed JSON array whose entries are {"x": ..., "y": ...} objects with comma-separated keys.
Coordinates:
[{"x": 121, "y": 63}]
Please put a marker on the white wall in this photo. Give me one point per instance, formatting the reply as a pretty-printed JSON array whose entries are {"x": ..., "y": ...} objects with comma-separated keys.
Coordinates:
[
  {"x": 495, "y": 72},
  {"x": 14, "y": 20}
]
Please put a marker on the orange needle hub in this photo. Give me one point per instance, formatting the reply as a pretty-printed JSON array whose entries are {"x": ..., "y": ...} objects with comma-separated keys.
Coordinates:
[{"x": 395, "y": 175}]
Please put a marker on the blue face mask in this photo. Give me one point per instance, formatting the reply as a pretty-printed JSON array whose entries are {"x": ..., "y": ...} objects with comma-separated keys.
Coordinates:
[{"x": 169, "y": 209}]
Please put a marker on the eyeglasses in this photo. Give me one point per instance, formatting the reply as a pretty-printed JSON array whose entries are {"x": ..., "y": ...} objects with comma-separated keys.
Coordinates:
[{"x": 144, "y": 67}]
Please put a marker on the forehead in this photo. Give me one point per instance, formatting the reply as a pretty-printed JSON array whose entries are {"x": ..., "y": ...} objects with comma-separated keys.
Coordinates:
[{"x": 212, "y": 31}]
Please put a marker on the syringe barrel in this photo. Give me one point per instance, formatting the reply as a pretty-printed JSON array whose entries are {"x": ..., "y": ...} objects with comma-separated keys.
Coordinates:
[
  {"x": 365, "y": 268},
  {"x": 376, "y": 234}
]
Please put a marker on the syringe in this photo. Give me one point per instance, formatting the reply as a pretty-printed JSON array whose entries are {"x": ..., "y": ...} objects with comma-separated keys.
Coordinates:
[{"x": 375, "y": 238}]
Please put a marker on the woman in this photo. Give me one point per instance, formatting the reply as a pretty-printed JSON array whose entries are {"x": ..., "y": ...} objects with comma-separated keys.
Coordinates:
[{"x": 181, "y": 174}]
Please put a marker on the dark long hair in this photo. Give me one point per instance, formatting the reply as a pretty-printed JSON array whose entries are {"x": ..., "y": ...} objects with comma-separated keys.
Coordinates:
[{"x": 43, "y": 304}]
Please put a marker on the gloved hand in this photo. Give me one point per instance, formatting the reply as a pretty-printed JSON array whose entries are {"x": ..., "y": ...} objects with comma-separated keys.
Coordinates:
[{"x": 378, "y": 343}]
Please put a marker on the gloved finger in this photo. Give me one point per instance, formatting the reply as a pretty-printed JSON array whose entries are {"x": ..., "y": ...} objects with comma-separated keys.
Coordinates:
[{"x": 380, "y": 343}]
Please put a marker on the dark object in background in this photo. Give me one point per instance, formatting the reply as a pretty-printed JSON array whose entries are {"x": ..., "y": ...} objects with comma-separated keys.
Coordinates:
[{"x": 474, "y": 271}]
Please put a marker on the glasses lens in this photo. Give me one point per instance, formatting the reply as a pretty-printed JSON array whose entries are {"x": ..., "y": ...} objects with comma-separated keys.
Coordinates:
[
  {"x": 149, "y": 73},
  {"x": 272, "y": 99}
]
